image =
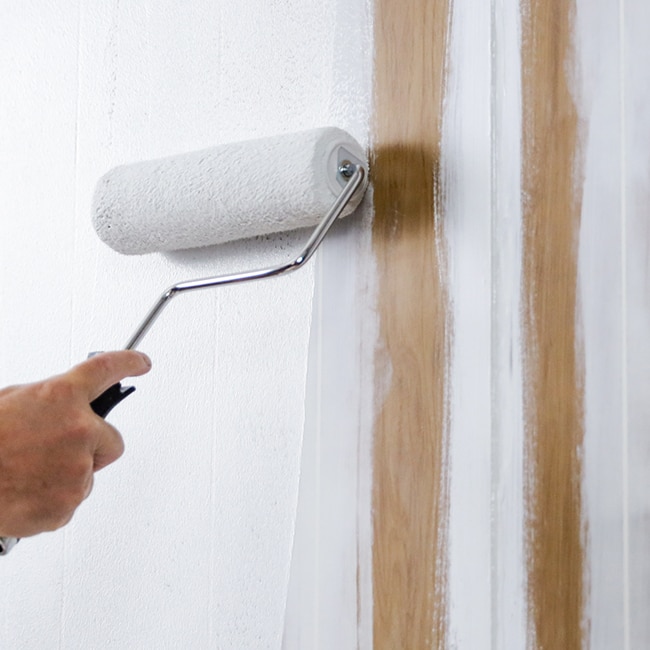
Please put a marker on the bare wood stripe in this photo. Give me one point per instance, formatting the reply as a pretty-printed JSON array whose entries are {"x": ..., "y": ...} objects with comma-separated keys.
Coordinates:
[
  {"x": 410, "y": 493},
  {"x": 554, "y": 374}
]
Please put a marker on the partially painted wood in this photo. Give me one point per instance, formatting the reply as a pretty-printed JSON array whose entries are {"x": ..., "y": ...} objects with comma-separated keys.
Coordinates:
[
  {"x": 570, "y": 322},
  {"x": 553, "y": 364},
  {"x": 410, "y": 493}
]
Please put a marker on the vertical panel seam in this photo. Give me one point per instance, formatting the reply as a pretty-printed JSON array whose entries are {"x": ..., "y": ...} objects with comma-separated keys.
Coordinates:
[
  {"x": 624, "y": 345},
  {"x": 71, "y": 306},
  {"x": 494, "y": 430}
]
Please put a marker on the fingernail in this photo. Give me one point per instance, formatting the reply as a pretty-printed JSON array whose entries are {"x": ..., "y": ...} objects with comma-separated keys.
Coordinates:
[{"x": 146, "y": 359}]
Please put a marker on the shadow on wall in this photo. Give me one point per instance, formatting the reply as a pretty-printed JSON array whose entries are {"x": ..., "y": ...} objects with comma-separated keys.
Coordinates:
[{"x": 406, "y": 182}]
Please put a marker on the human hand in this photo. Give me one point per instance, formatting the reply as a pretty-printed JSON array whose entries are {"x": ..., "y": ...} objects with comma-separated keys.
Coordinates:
[{"x": 51, "y": 442}]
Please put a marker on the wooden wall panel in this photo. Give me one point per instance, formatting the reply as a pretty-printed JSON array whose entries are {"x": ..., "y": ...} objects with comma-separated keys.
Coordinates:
[
  {"x": 569, "y": 325},
  {"x": 409, "y": 497},
  {"x": 553, "y": 395}
]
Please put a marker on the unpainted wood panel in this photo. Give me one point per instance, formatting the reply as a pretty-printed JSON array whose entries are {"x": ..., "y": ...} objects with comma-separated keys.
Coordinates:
[
  {"x": 410, "y": 494},
  {"x": 553, "y": 369}
]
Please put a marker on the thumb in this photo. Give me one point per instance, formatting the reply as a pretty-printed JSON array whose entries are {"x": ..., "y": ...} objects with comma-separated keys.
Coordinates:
[{"x": 101, "y": 371}]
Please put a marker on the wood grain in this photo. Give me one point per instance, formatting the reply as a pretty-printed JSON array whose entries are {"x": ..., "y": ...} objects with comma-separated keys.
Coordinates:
[
  {"x": 410, "y": 486},
  {"x": 553, "y": 393}
]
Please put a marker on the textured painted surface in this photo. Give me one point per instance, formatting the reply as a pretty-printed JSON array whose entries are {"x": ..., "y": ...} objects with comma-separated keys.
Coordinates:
[{"x": 187, "y": 541}]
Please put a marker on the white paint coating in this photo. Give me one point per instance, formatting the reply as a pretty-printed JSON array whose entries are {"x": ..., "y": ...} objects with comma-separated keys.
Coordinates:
[
  {"x": 330, "y": 597},
  {"x": 635, "y": 128},
  {"x": 466, "y": 188},
  {"x": 186, "y": 542},
  {"x": 600, "y": 316},
  {"x": 613, "y": 41},
  {"x": 508, "y": 576}
]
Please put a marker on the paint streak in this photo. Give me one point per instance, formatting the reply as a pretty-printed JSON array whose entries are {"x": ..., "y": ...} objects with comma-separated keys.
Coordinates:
[
  {"x": 553, "y": 392},
  {"x": 410, "y": 493}
]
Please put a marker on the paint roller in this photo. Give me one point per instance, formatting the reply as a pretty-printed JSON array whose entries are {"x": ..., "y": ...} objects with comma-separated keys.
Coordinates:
[
  {"x": 229, "y": 192},
  {"x": 234, "y": 191}
]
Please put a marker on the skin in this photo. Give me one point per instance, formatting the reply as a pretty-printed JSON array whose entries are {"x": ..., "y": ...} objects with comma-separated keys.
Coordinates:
[{"x": 52, "y": 443}]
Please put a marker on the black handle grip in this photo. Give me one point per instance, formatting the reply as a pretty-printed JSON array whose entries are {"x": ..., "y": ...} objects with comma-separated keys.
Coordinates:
[{"x": 110, "y": 398}]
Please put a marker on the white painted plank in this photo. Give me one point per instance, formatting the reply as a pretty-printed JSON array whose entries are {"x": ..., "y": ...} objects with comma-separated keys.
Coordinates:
[
  {"x": 597, "y": 95},
  {"x": 508, "y": 570},
  {"x": 323, "y": 598},
  {"x": 330, "y": 595},
  {"x": 466, "y": 172},
  {"x": 635, "y": 26}
]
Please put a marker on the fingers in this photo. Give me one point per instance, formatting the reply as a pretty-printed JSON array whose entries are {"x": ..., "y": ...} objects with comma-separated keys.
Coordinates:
[
  {"x": 109, "y": 447},
  {"x": 100, "y": 372},
  {"x": 93, "y": 377}
]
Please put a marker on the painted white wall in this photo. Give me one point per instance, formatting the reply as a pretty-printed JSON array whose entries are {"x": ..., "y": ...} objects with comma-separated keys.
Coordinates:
[
  {"x": 612, "y": 38},
  {"x": 187, "y": 541}
]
